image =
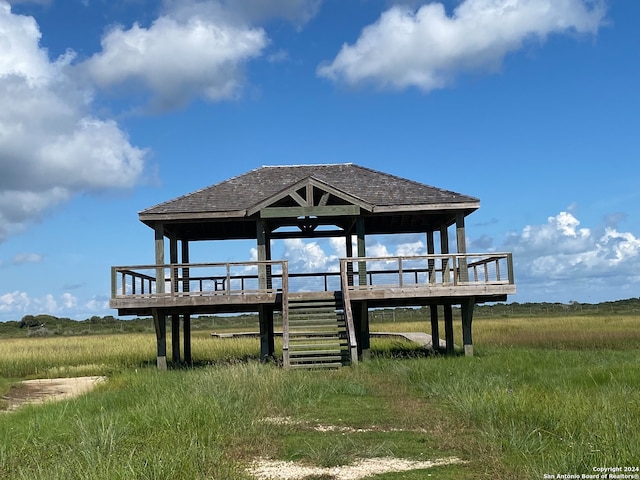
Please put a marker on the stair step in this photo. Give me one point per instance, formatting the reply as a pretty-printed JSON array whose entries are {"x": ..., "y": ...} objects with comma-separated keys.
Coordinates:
[
  {"x": 317, "y": 339},
  {"x": 311, "y": 366},
  {"x": 316, "y": 359},
  {"x": 303, "y": 321},
  {"x": 327, "y": 351},
  {"x": 331, "y": 327},
  {"x": 313, "y": 305},
  {"x": 309, "y": 347}
]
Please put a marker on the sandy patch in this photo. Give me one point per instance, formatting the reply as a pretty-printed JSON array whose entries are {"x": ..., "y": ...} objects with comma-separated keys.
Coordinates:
[
  {"x": 318, "y": 427},
  {"x": 49, "y": 389},
  {"x": 265, "y": 469},
  {"x": 279, "y": 470}
]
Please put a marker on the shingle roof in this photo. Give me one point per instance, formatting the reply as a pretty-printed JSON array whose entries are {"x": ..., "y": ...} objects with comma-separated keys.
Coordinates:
[{"x": 241, "y": 193}]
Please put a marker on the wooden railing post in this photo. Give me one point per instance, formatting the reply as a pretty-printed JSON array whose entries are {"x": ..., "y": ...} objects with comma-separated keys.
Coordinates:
[
  {"x": 285, "y": 314},
  {"x": 510, "y": 268},
  {"x": 114, "y": 282}
]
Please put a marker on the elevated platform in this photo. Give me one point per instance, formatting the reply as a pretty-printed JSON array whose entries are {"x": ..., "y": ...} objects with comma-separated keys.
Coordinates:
[
  {"x": 263, "y": 287},
  {"x": 237, "y": 287}
]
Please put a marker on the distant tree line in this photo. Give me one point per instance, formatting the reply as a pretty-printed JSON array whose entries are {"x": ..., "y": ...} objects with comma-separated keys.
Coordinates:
[{"x": 45, "y": 325}]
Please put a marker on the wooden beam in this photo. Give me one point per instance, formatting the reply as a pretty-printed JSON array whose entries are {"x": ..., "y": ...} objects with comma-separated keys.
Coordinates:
[
  {"x": 362, "y": 266},
  {"x": 435, "y": 327},
  {"x": 324, "y": 199},
  {"x": 298, "y": 199},
  {"x": 448, "y": 328},
  {"x": 310, "y": 194},
  {"x": 467, "y": 318},
  {"x": 175, "y": 338},
  {"x": 313, "y": 234},
  {"x": 186, "y": 319},
  {"x": 295, "y": 212},
  {"x": 267, "y": 344},
  {"x": 160, "y": 323}
]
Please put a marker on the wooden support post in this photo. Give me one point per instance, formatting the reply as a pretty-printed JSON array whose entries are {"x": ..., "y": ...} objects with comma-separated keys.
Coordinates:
[
  {"x": 448, "y": 328},
  {"x": 431, "y": 263},
  {"x": 435, "y": 328},
  {"x": 265, "y": 312},
  {"x": 175, "y": 338},
  {"x": 361, "y": 326},
  {"x": 175, "y": 287},
  {"x": 467, "y": 319},
  {"x": 444, "y": 249},
  {"x": 267, "y": 347},
  {"x": 362, "y": 252},
  {"x": 186, "y": 332},
  {"x": 349, "y": 252},
  {"x": 186, "y": 319},
  {"x": 264, "y": 254},
  {"x": 160, "y": 323}
]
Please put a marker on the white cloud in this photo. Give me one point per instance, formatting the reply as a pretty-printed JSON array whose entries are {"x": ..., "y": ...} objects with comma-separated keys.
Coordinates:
[
  {"x": 51, "y": 145},
  {"x": 195, "y": 49},
  {"x": 19, "y": 304},
  {"x": 21, "y": 258},
  {"x": 559, "y": 258},
  {"x": 308, "y": 257},
  {"x": 428, "y": 49}
]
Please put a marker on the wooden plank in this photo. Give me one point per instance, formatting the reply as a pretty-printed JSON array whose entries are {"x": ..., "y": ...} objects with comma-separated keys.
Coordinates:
[{"x": 295, "y": 212}]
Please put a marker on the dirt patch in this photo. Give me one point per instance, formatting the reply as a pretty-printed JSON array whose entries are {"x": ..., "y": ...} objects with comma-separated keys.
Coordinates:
[
  {"x": 267, "y": 469},
  {"x": 49, "y": 389}
]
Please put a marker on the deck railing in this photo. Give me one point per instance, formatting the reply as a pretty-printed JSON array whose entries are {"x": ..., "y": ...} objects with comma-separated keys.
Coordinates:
[
  {"x": 198, "y": 279},
  {"x": 242, "y": 278},
  {"x": 429, "y": 270}
]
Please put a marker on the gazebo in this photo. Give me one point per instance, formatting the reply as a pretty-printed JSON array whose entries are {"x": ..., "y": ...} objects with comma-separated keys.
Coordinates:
[{"x": 325, "y": 319}]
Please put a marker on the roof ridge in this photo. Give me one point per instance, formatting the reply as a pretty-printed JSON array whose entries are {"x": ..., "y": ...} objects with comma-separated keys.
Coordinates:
[{"x": 307, "y": 165}]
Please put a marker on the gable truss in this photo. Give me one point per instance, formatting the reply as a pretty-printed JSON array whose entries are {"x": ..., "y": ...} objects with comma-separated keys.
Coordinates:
[{"x": 310, "y": 198}]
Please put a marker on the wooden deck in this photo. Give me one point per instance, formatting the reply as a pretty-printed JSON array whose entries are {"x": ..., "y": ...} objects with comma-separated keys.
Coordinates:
[{"x": 200, "y": 288}]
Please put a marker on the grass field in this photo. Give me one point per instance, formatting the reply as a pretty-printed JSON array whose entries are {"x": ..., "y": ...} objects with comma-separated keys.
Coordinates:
[{"x": 542, "y": 396}]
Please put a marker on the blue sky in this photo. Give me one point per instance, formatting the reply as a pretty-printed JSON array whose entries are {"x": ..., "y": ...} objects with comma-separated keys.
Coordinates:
[{"x": 109, "y": 107}]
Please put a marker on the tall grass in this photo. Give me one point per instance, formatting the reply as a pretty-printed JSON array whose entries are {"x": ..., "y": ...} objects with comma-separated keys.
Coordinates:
[
  {"x": 52, "y": 357},
  {"x": 541, "y": 396}
]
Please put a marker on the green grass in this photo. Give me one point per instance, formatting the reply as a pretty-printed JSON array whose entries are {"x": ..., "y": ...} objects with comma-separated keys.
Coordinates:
[{"x": 541, "y": 396}]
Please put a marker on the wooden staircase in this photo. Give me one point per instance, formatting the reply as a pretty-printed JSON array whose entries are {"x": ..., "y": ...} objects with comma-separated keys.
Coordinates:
[{"x": 317, "y": 333}]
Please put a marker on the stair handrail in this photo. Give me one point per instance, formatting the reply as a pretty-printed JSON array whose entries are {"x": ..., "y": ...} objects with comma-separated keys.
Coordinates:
[{"x": 348, "y": 314}]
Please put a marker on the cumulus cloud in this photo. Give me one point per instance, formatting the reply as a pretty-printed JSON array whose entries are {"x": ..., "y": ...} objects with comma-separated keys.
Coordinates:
[
  {"x": 428, "y": 49},
  {"x": 18, "y": 304},
  {"x": 560, "y": 253},
  {"x": 51, "y": 145},
  {"x": 308, "y": 256},
  {"x": 194, "y": 49}
]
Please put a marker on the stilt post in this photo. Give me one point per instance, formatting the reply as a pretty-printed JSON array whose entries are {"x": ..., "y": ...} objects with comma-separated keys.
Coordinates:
[{"x": 467, "y": 318}]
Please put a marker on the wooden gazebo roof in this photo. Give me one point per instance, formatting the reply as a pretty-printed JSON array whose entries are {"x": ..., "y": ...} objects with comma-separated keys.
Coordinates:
[{"x": 328, "y": 194}]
